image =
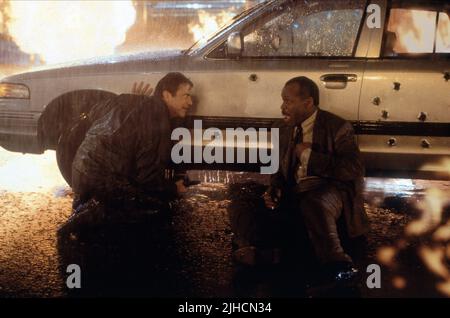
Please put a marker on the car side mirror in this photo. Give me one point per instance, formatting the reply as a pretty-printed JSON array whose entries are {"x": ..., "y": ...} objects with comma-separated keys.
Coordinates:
[{"x": 235, "y": 45}]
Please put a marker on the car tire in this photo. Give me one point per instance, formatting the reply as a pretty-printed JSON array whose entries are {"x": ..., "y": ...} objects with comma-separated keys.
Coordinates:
[
  {"x": 64, "y": 158},
  {"x": 68, "y": 143}
]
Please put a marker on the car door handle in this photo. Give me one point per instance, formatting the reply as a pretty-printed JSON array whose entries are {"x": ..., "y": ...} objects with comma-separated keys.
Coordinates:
[{"x": 339, "y": 78}]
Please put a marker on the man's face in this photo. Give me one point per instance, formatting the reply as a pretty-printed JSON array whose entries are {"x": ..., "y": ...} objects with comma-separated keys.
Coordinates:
[
  {"x": 179, "y": 103},
  {"x": 295, "y": 109}
]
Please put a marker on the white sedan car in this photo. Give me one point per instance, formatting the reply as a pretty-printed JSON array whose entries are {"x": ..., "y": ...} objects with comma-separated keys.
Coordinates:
[{"x": 383, "y": 65}]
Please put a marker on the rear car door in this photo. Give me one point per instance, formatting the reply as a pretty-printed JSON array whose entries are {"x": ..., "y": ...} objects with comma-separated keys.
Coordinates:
[{"x": 405, "y": 100}]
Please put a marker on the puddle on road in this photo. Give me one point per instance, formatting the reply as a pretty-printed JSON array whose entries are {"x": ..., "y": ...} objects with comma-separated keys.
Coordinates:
[{"x": 35, "y": 201}]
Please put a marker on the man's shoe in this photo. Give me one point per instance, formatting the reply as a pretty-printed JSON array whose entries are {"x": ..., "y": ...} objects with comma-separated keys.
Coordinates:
[
  {"x": 336, "y": 279},
  {"x": 341, "y": 272}
]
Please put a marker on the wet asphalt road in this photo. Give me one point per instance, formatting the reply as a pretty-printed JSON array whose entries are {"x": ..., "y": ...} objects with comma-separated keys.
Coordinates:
[{"x": 191, "y": 254}]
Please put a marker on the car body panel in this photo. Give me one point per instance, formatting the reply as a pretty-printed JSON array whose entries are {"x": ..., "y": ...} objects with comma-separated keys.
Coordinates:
[{"x": 245, "y": 92}]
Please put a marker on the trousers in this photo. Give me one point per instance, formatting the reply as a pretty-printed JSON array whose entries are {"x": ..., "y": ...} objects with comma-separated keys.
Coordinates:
[
  {"x": 320, "y": 210},
  {"x": 310, "y": 215}
]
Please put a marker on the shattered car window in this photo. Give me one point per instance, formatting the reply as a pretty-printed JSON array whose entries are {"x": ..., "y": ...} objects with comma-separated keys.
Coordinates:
[{"x": 307, "y": 29}]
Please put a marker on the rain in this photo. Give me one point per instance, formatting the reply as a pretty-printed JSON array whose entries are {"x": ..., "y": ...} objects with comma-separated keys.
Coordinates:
[{"x": 409, "y": 234}]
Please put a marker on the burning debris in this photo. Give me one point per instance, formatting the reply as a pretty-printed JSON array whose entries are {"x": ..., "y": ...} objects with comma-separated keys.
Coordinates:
[
  {"x": 208, "y": 24},
  {"x": 55, "y": 32},
  {"x": 426, "y": 240}
]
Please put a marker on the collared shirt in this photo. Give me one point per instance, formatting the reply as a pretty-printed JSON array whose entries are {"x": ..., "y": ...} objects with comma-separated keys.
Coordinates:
[{"x": 308, "y": 128}]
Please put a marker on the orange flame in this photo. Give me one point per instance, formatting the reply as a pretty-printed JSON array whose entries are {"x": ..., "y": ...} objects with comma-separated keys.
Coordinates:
[
  {"x": 2, "y": 21},
  {"x": 434, "y": 260},
  {"x": 62, "y": 31},
  {"x": 399, "y": 282},
  {"x": 29, "y": 173},
  {"x": 435, "y": 253},
  {"x": 443, "y": 34},
  {"x": 431, "y": 208},
  {"x": 386, "y": 255},
  {"x": 208, "y": 24},
  {"x": 415, "y": 30}
]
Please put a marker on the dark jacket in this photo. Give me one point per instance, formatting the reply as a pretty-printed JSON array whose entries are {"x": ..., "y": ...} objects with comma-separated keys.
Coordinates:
[
  {"x": 335, "y": 157},
  {"x": 125, "y": 151}
]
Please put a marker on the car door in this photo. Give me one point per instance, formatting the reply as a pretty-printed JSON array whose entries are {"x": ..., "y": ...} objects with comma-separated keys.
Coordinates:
[
  {"x": 289, "y": 39},
  {"x": 297, "y": 38},
  {"x": 405, "y": 99}
]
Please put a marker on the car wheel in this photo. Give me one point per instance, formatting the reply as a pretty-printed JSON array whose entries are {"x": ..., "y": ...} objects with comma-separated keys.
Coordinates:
[
  {"x": 68, "y": 143},
  {"x": 64, "y": 158}
]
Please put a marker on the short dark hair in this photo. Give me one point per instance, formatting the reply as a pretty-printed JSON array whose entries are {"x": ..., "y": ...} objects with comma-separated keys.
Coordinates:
[
  {"x": 171, "y": 82},
  {"x": 306, "y": 88}
]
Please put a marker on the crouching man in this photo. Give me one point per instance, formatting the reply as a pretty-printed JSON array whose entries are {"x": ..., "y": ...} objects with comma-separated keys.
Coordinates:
[
  {"x": 321, "y": 173},
  {"x": 124, "y": 156}
]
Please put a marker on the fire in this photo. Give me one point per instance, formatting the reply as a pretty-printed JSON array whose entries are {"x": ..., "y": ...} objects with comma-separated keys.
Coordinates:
[
  {"x": 434, "y": 259},
  {"x": 442, "y": 234},
  {"x": 399, "y": 282},
  {"x": 29, "y": 173},
  {"x": 3, "y": 19},
  {"x": 62, "y": 31},
  {"x": 431, "y": 207},
  {"x": 431, "y": 233},
  {"x": 208, "y": 24},
  {"x": 415, "y": 31},
  {"x": 442, "y": 168},
  {"x": 443, "y": 34},
  {"x": 386, "y": 255}
]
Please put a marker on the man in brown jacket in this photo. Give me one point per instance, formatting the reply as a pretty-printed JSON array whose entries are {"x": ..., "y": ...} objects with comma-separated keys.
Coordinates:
[{"x": 321, "y": 171}]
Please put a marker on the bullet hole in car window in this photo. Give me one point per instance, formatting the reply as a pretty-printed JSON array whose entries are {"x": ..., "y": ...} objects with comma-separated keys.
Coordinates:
[{"x": 317, "y": 29}]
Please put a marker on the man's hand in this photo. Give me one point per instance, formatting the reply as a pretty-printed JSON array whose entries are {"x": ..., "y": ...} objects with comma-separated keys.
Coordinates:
[
  {"x": 180, "y": 187},
  {"x": 140, "y": 89},
  {"x": 302, "y": 147},
  {"x": 272, "y": 201}
]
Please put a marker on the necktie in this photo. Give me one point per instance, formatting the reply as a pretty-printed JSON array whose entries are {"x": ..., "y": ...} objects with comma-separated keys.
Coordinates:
[{"x": 298, "y": 139}]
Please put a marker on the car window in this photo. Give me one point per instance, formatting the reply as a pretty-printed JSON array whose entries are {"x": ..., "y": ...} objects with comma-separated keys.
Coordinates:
[
  {"x": 443, "y": 34},
  {"x": 203, "y": 42},
  {"x": 414, "y": 31},
  {"x": 326, "y": 28}
]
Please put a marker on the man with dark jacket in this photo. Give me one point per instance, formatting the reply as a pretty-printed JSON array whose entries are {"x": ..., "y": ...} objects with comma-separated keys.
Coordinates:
[
  {"x": 321, "y": 172},
  {"x": 127, "y": 149},
  {"x": 121, "y": 227}
]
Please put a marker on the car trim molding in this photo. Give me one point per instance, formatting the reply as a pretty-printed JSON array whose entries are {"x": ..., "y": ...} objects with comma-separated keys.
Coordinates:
[{"x": 362, "y": 127}]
